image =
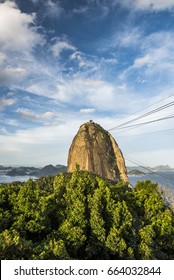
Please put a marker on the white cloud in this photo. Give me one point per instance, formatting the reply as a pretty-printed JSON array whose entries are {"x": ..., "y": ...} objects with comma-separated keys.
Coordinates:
[
  {"x": 11, "y": 122},
  {"x": 60, "y": 46},
  {"x": 101, "y": 94},
  {"x": 27, "y": 114},
  {"x": 159, "y": 50},
  {"x": 49, "y": 81},
  {"x": 3, "y": 58},
  {"x": 141, "y": 61},
  {"x": 103, "y": 7},
  {"x": 92, "y": 63},
  {"x": 84, "y": 60},
  {"x": 53, "y": 8},
  {"x": 46, "y": 118},
  {"x": 95, "y": 93},
  {"x": 48, "y": 115},
  {"x": 87, "y": 110},
  {"x": 154, "y": 4},
  {"x": 109, "y": 61},
  {"x": 35, "y": 1},
  {"x": 7, "y": 102},
  {"x": 78, "y": 89},
  {"x": 39, "y": 146},
  {"x": 81, "y": 10},
  {"x": 156, "y": 58},
  {"x": 139, "y": 4},
  {"x": 80, "y": 58},
  {"x": 3, "y": 130},
  {"x": 9, "y": 74},
  {"x": 88, "y": 91},
  {"x": 16, "y": 28},
  {"x": 129, "y": 37}
]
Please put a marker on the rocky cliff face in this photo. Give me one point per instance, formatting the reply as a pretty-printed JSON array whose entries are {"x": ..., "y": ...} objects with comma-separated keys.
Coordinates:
[{"x": 95, "y": 150}]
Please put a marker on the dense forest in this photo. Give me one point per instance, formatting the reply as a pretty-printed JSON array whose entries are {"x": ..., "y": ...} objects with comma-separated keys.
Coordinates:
[{"x": 83, "y": 216}]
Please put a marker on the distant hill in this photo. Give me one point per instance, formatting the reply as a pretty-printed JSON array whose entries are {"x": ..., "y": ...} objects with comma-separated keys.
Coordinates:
[
  {"x": 159, "y": 168},
  {"x": 135, "y": 172},
  {"x": 54, "y": 170},
  {"x": 50, "y": 170},
  {"x": 33, "y": 171},
  {"x": 163, "y": 168},
  {"x": 21, "y": 171}
]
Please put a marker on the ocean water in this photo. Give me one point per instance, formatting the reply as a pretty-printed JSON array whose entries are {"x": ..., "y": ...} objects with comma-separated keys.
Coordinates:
[
  {"x": 162, "y": 178},
  {"x": 165, "y": 182},
  {"x": 10, "y": 179}
]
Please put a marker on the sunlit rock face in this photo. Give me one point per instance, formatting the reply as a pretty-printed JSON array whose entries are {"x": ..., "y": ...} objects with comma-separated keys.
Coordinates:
[{"x": 95, "y": 150}]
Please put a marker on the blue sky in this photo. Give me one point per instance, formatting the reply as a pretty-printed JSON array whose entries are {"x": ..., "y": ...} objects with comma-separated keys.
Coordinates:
[{"x": 65, "y": 62}]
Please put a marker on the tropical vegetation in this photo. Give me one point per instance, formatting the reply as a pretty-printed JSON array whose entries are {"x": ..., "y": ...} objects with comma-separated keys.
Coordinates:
[{"x": 82, "y": 216}]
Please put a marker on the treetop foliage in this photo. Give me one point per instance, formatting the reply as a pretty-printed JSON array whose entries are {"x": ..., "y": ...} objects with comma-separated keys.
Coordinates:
[{"x": 82, "y": 216}]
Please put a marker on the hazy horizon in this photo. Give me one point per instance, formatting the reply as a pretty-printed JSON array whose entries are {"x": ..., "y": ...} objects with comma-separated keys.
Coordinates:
[{"x": 41, "y": 166}]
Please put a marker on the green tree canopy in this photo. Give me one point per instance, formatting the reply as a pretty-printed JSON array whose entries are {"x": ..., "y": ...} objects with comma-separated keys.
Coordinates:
[{"x": 83, "y": 216}]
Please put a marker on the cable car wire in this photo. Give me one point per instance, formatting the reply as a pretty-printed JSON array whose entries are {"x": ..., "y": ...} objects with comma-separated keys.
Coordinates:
[
  {"x": 149, "y": 169},
  {"x": 144, "y": 123},
  {"x": 144, "y": 115}
]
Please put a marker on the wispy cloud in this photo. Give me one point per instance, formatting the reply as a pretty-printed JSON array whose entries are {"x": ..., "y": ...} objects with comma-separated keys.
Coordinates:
[
  {"x": 3, "y": 58},
  {"x": 61, "y": 45},
  {"x": 35, "y": 1},
  {"x": 7, "y": 102},
  {"x": 81, "y": 10},
  {"x": 9, "y": 74},
  {"x": 78, "y": 56},
  {"x": 40, "y": 141},
  {"x": 130, "y": 37},
  {"x": 87, "y": 110},
  {"x": 88, "y": 91},
  {"x": 53, "y": 8},
  {"x": 153, "y": 4},
  {"x": 84, "y": 60},
  {"x": 93, "y": 10},
  {"x": 155, "y": 58},
  {"x": 95, "y": 93},
  {"x": 46, "y": 118}
]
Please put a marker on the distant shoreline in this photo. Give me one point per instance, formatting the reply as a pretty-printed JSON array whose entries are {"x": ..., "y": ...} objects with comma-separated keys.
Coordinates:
[{"x": 162, "y": 178}]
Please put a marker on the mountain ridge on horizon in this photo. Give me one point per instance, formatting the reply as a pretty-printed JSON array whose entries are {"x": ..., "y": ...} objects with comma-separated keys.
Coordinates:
[
  {"x": 50, "y": 169},
  {"x": 47, "y": 170}
]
